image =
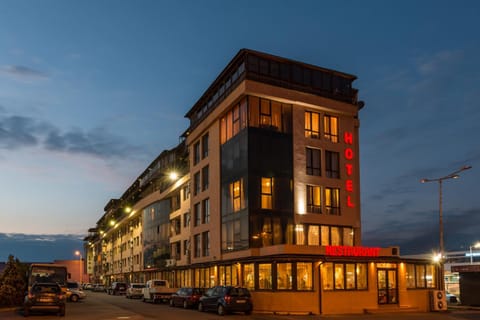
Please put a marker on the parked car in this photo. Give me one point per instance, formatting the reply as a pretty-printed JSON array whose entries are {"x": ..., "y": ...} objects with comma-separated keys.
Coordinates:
[
  {"x": 98, "y": 288},
  {"x": 186, "y": 297},
  {"x": 452, "y": 299},
  {"x": 44, "y": 297},
  {"x": 226, "y": 299},
  {"x": 135, "y": 290},
  {"x": 74, "y": 295},
  {"x": 117, "y": 288}
]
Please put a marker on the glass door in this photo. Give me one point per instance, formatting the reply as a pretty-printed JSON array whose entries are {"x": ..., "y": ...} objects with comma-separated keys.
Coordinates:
[{"x": 387, "y": 286}]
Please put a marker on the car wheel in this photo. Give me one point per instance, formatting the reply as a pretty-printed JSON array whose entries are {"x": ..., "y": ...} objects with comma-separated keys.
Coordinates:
[
  {"x": 220, "y": 310},
  {"x": 185, "y": 304},
  {"x": 248, "y": 312},
  {"x": 74, "y": 298},
  {"x": 200, "y": 307},
  {"x": 172, "y": 303},
  {"x": 61, "y": 313}
]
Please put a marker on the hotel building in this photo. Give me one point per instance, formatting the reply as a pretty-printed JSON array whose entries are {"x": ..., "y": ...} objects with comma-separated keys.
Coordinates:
[{"x": 268, "y": 197}]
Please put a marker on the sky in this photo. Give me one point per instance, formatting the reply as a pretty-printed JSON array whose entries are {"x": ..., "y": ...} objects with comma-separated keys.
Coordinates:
[{"x": 92, "y": 91}]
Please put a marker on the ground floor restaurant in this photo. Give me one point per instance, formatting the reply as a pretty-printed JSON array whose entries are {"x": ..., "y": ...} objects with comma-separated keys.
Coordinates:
[{"x": 337, "y": 280}]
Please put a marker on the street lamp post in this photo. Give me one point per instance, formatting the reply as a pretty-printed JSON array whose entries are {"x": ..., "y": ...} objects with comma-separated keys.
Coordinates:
[
  {"x": 79, "y": 254},
  {"x": 453, "y": 175}
]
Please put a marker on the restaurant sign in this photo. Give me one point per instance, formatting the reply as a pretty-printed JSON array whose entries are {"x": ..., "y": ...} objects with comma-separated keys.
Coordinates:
[{"x": 346, "y": 251}]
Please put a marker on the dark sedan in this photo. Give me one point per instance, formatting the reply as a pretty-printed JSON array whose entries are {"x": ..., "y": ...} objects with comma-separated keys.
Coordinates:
[
  {"x": 226, "y": 299},
  {"x": 186, "y": 297}
]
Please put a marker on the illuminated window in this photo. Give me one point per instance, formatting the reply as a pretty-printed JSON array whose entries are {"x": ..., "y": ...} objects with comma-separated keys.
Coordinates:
[
  {"x": 335, "y": 236},
  {"x": 284, "y": 276},
  {"x": 312, "y": 125},
  {"x": 344, "y": 276},
  {"x": 325, "y": 235},
  {"x": 249, "y": 276},
  {"x": 269, "y": 114},
  {"x": 304, "y": 276},
  {"x": 236, "y": 195},
  {"x": 332, "y": 201},
  {"x": 420, "y": 276},
  {"x": 330, "y": 126},
  {"x": 332, "y": 164},
  {"x": 266, "y": 196},
  {"x": 314, "y": 204},
  {"x": 410, "y": 275},
  {"x": 313, "y": 235},
  {"x": 348, "y": 236},
  {"x": 299, "y": 234},
  {"x": 313, "y": 162},
  {"x": 430, "y": 276},
  {"x": 234, "y": 121},
  {"x": 339, "y": 276},
  {"x": 265, "y": 276},
  {"x": 265, "y": 113}
]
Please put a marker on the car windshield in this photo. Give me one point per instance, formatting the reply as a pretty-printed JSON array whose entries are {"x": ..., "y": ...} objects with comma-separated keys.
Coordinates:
[{"x": 139, "y": 286}]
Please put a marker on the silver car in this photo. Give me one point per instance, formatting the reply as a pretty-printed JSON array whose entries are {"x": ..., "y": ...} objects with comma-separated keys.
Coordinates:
[{"x": 135, "y": 290}]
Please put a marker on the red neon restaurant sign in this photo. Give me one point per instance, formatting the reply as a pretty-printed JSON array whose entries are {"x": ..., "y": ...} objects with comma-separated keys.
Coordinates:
[
  {"x": 349, "y": 155},
  {"x": 345, "y": 251}
]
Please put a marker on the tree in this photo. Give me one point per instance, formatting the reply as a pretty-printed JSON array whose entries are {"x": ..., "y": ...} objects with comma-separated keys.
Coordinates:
[{"x": 13, "y": 283}]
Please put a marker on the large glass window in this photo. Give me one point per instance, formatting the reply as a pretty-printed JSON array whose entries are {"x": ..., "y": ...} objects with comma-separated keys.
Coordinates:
[
  {"x": 420, "y": 276},
  {"x": 344, "y": 276},
  {"x": 330, "y": 126},
  {"x": 198, "y": 245},
  {"x": 266, "y": 196},
  {"x": 313, "y": 162},
  {"x": 312, "y": 125},
  {"x": 332, "y": 164},
  {"x": 332, "y": 201},
  {"x": 269, "y": 114},
  {"x": 314, "y": 204},
  {"x": 265, "y": 276},
  {"x": 249, "y": 276},
  {"x": 197, "y": 214},
  {"x": 284, "y": 276},
  {"x": 304, "y": 276},
  {"x": 299, "y": 234}
]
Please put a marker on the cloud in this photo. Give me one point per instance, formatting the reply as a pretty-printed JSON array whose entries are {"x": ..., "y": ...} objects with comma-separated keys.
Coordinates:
[
  {"x": 22, "y": 72},
  {"x": 18, "y": 131}
]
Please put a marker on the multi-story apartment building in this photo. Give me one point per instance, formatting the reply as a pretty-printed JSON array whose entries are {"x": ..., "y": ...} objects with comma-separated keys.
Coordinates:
[{"x": 269, "y": 198}]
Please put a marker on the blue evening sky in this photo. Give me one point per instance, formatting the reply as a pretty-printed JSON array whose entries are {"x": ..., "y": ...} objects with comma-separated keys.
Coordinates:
[{"x": 92, "y": 91}]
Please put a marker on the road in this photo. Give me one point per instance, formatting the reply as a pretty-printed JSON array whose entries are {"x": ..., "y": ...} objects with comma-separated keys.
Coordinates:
[{"x": 100, "y": 306}]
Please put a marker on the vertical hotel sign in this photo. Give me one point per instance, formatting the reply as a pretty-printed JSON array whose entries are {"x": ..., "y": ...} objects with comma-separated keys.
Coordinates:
[{"x": 349, "y": 158}]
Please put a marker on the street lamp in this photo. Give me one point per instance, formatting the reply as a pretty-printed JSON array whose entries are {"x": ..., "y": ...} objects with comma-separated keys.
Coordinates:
[
  {"x": 453, "y": 175},
  {"x": 79, "y": 254},
  {"x": 476, "y": 246}
]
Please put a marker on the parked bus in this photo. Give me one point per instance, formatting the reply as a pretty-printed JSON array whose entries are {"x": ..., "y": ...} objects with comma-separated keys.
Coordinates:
[{"x": 47, "y": 272}]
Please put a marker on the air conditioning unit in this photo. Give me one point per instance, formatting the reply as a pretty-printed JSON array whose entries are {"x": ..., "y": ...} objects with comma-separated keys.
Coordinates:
[
  {"x": 438, "y": 300},
  {"x": 170, "y": 262}
]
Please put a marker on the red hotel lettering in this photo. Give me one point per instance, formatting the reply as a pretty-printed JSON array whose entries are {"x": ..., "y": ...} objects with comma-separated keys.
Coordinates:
[
  {"x": 349, "y": 185},
  {"x": 349, "y": 168},
  {"x": 350, "y": 204},
  {"x": 348, "y": 138},
  {"x": 349, "y": 155}
]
